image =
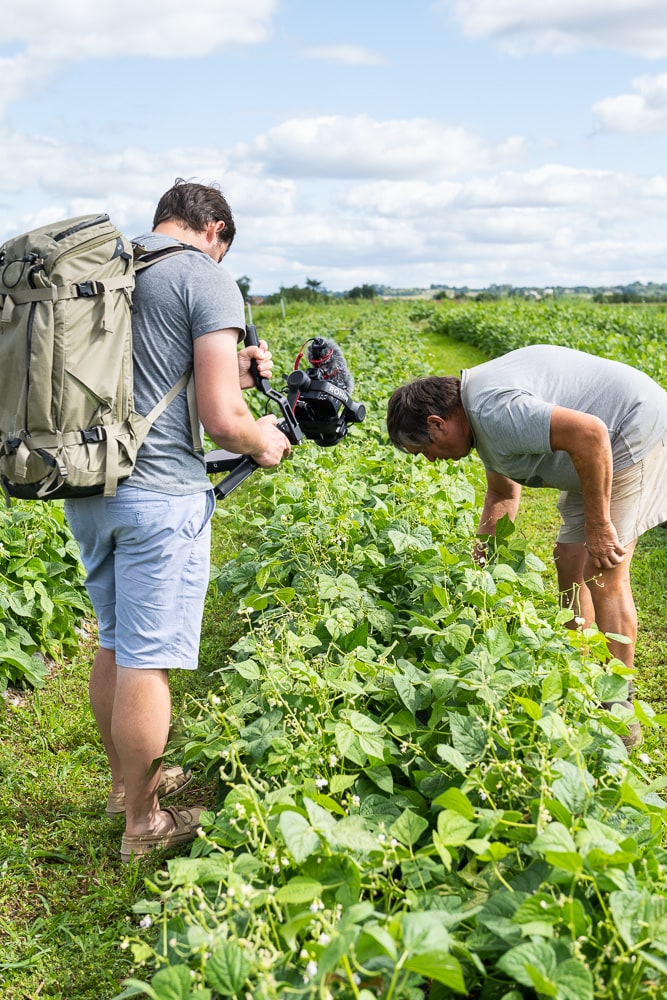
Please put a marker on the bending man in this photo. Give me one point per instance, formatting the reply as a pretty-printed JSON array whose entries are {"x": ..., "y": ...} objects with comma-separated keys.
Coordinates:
[{"x": 546, "y": 416}]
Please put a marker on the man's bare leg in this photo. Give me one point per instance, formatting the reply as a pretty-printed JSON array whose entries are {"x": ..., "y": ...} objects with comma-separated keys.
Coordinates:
[
  {"x": 102, "y": 691},
  {"x": 570, "y": 559},
  {"x": 615, "y": 611},
  {"x": 603, "y": 596},
  {"x": 139, "y": 731}
]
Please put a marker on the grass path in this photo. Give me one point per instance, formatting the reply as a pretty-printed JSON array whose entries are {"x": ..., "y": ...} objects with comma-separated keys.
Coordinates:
[{"x": 65, "y": 899}]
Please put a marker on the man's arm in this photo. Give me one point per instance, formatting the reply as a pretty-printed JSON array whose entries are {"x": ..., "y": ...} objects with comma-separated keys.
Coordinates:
[
  {"x": 586, "y": 440},
  {"x": 222, "y": 409},
  {"x": 502, "y": 497}
]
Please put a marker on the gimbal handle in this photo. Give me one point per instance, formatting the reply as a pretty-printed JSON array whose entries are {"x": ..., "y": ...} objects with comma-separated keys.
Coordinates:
[{"x": 239, "y": 467}]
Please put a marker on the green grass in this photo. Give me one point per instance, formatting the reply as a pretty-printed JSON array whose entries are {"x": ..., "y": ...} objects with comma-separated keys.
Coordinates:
[{"x": 65, "y": 899}]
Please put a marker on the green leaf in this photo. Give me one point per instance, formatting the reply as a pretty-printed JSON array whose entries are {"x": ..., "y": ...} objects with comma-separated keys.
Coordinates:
[
  {"x": 172, "y": 983},
  {"x": 497, "y": 642},
  {"x": 574, "y": 981},
  {"x": 372, "y": 745},
  {"x": 453, "y": 829},
  {"x": 530, "y": 707},
  {"x": 299, "y": 890},
  {"x": 247, "y": 669},
  {"x": 357, "y": 637},
  {"x": 453, "y": 757},
  {"x": 555, "y": 837},
  {"x": 300, "y": 838},
  {"x": 556, "y": 845},
  {"x": 457, "y": 636},
  {"x": 552, "y": 686},
  {"x": 611, "y": 687},
  {"x": 407, "y": 692},
  {"x": 381, "y": 776},
  {"x": 340, "y": 782},
  {"x": 454, "y": 798},
  {"x": 442, "y": 967},
  {"x": 468, "y": 736},
  {"x": 531, "y": 964},
  {"x": 227, "y": 969},
  {"x": 408, "y": 828},
  {"x": 574, "y": 787}
]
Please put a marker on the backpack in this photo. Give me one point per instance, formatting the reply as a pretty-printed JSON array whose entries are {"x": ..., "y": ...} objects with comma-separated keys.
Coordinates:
[{"x": 68, "y": 427}]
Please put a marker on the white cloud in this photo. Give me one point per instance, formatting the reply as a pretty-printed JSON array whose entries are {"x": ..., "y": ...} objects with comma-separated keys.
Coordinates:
[
  {"x": 69, "y": 30},
  {"x": 358, "y": 146},
  {"x": 51, "y": 34},
  {"x": 354, "y": 55},
  {"x": 549, "y": 186},
  {"x": 643, "y": 111},
  {"x": 638, "y": 26}
]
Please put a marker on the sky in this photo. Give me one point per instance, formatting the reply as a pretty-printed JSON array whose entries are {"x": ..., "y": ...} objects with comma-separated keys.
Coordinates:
[{"x": 393, "y": 142}]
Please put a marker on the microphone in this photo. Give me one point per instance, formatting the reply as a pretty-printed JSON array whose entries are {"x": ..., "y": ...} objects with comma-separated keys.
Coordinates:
[{"x": 327, "y": 363}]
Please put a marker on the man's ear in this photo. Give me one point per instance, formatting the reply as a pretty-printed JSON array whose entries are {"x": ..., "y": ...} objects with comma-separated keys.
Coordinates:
[{"x": 434, "y": 422}]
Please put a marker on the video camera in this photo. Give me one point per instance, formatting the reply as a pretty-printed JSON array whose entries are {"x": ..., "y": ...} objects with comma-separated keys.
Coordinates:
[{"x": 317, "y": 405}]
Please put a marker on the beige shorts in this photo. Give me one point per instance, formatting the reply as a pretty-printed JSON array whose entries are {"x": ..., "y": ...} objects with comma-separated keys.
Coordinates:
[{"x": 638, "y": 500}]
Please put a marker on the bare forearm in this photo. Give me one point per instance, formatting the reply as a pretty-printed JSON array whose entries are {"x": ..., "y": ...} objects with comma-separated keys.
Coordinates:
[{"x": 495, "y": 507}]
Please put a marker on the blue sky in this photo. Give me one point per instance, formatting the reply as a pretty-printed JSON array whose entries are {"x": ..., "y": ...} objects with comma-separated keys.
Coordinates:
[{"x": 462, "y": 142}]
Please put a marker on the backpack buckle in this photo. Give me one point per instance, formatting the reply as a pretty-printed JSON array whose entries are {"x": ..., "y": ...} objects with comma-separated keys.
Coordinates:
[
  {"x": 87, "y": 289},
  {"x": 92, "y": 435}
]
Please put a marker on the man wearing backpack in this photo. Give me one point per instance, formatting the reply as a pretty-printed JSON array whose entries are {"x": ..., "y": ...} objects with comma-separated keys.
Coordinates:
[{"x": 146, "y": 549}]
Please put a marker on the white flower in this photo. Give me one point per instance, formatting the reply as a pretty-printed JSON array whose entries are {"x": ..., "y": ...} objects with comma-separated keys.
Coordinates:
[
  {"x": 356, "y": 801},
  {"x": 644, "y": 758},
  {"x": 333, "y": 760},
  {"x": 321, "y": 782},
  {"x": 579, "y": 621},
  {"x": 324, "y": 938},
  {"x": 145, "y": 922},
  {"x": 311, "y": 968}
]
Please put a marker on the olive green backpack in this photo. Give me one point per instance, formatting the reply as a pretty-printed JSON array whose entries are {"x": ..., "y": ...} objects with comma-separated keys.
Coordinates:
[{"x": 68, "y": 427}]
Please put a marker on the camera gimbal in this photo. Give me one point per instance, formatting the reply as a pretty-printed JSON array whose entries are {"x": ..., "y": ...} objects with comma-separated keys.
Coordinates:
[{"x": 315, "y": 408}]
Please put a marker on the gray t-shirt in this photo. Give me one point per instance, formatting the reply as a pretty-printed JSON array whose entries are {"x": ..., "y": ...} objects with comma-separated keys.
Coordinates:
[
  {"x": 175, "y": 301},
  {"x": 508, "y": 402}
]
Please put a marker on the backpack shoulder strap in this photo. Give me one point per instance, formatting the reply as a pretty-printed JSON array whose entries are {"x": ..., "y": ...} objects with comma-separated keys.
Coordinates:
[{"x": 143, "y": 258}]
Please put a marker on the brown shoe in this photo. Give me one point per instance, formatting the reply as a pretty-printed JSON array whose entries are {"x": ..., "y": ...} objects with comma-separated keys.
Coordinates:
[
  {"x": 173, "y": 780},
  {"x": 185, "y": 830}
]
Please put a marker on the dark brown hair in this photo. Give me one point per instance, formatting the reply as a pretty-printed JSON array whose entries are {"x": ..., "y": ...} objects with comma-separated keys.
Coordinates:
[
  {"x": 411, "y": 405},
  {"x": 195, "y": 205}
]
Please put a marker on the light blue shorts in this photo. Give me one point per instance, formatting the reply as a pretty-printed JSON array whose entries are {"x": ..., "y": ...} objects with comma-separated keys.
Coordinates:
[{"x": 147, "y": 561}]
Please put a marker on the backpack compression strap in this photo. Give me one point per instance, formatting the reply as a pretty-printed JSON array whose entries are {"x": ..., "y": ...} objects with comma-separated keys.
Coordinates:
[{"x": 56, "y": 293}]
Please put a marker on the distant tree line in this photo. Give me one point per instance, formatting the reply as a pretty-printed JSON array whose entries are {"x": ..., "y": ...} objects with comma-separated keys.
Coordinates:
[{"x": 312, "y": 291}]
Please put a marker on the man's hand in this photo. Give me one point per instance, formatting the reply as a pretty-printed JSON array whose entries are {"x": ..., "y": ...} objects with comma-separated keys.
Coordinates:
[
  {"x": 276, "y": 445},
  {"x": 262, "y": 356},
  {"x": 603, "y": 547}
]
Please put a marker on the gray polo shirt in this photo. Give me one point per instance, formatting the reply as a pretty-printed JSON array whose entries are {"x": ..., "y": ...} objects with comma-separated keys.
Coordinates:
[{"x": 509, "y": 400}]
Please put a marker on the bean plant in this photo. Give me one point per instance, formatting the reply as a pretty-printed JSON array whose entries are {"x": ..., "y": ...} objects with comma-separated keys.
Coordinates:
[
  {"x": 42, "y": 600},
  {"x": 418, "y": 793}
]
